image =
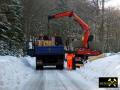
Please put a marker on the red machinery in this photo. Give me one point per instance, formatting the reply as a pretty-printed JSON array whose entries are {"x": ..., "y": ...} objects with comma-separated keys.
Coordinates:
[{"x": 84, "y": 51}]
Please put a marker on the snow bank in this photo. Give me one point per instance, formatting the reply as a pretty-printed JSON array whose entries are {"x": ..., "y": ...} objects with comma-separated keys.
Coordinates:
[
  {"x": 110, "y": 54},
  {"x": 14, "y": 72},
  {"x": 105, "y": 67},
  {"x": 29, "y": 61}
]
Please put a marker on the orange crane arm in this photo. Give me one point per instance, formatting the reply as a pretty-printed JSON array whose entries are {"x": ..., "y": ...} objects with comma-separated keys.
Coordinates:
[{"x": 84, "y": 26}]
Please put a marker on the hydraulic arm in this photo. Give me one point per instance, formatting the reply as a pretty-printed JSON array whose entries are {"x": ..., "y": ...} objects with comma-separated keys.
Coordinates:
[{"x": 84, "y": 26}]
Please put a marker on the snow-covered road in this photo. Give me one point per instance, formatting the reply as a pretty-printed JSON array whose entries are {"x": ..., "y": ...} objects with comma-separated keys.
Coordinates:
[
  {"x": 20, "y": 74},
  {"x": 55, "y": 80}
]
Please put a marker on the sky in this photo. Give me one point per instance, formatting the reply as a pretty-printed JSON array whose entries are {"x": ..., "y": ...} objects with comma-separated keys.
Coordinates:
[{"x": 113, "y": 3}]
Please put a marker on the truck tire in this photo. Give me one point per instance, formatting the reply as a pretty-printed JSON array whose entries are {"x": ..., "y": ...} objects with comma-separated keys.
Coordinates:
[
  {"x": 39, "y": 66},
  {"x": 60, "y": 66},
  {"x": 57, "y": 66}
]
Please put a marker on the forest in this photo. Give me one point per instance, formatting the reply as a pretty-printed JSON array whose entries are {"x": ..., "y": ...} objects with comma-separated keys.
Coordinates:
[{"x": 22, "y": 19}]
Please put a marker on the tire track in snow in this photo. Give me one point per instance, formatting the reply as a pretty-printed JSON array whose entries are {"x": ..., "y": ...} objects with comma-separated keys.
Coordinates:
[
  {"x": 55, "y": 80},
  {"x": 36, "y": 82},
  {"x": 70, "y": 85},
  {"x": 52, "y": 81},
  {"x": 76, "y": 81},
  {"x": 70, "y": 79}
]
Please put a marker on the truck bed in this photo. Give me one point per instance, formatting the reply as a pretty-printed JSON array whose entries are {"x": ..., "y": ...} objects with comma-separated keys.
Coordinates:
[{"x": 49, "y": 50}]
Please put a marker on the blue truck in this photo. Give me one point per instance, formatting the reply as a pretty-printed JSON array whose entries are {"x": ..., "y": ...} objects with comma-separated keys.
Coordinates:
[{"x": 52, "y": 55}]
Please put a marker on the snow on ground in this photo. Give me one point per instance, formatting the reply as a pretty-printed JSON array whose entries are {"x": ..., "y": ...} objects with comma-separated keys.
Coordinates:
[
  {"x": 14, "y": 72},
  {"x": 105, "y": 67}
]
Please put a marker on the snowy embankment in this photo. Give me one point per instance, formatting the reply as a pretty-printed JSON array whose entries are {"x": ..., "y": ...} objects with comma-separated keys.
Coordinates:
[
  {"x": 14, "y": 72},
  {"x": 104, "y": 67}
]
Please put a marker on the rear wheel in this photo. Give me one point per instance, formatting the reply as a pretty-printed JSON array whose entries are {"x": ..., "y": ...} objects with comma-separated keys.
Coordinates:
[
  {"x": 60, "y": 66},
  {"x": 39, "y": 67},
  {"x": 39, "y": 64}
]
